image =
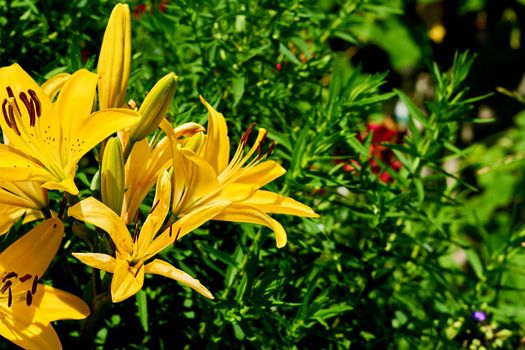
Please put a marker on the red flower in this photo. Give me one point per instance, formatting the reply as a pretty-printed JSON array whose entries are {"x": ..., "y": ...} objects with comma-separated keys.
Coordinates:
[
  {"x": 380, "y": 155},
  {"x": 141, "y": 9}
]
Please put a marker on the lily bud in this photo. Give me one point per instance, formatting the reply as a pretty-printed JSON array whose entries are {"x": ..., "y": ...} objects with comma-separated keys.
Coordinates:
[
  {"x": 196, "y": 142},
  {"x": 188, "y": 129},
  {"x": 155, "y": 106},
  {"x": 112, "y": 175},
  {"x": 115, "y": 59}
]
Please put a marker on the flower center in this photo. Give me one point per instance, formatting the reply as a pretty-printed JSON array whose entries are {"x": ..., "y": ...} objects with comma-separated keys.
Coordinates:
[
  {"x": 19, "y": 285},
  {"x": 11, "y": 107}
]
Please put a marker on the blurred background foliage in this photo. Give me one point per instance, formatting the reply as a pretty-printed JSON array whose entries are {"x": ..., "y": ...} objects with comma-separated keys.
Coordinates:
[{"x": 388, "y": 117}]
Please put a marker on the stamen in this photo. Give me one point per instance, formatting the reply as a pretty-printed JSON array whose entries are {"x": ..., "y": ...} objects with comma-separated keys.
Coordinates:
[
  {"x": 4, "y": 111},
  {"x": 270, "y": 149},
  {"x": 13, "y": 121},
  {"x": 10, "y": 298},
  {"x": 259, "y": 146},
  {"x": 136, "y": 273},
  {"x": 154, "y": 206},
  {"x": 135, "y": 233},
  {"x": 244, "y": 138},
  {"x": 6, "y": 286},
  {"x": 35, "y": 285},
  {"x": 36, "y": 102},
  {"x": 8, "y": 276},
  {"x": 171, "y": 228},
  {"x": 177, "y": 236},
  {"x": 25, "y": 278},
  {"x": 30, "y": 108},
  {"x": 10, "y": 94},
  {"x": 29, "y": 298}
]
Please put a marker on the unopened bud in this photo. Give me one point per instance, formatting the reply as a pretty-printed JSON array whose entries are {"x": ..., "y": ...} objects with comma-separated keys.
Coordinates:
[
  {"x": 188, "y": 129},
  {"x": 112, "y": 175},
  {"x": 155, "y": 106},
  {"x": 196, "y": 142},
  {"x": 115, "y": 59}
]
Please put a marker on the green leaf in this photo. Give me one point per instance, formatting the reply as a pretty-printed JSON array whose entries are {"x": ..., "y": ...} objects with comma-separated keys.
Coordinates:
[
  {"x": 238, "y": 89},
  {"x": 141, "y": 301},
  {"x": 288, "y": 54}
]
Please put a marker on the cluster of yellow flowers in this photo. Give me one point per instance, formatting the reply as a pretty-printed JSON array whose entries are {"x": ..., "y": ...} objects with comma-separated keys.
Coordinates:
[{"x": 47, "y": 130}]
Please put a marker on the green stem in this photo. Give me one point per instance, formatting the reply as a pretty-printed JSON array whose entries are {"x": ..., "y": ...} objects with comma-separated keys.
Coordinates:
[{"x": 127, "y": 150}]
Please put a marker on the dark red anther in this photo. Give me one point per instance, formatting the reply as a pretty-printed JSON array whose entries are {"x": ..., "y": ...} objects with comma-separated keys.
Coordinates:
[
  {"x": 154, "y": 206},
  {"x": 136, "y": 273},
  {"x": 35, "y": 284},
  {"x": 36, "y": 102},
  {"x": 10, "y": 298},
  {"x": 270, "y": 149},
  {"x": 4, "y": 112},
  {"x": 29, "y": 298},
  {"x": 244, "y": 138},
  {"x": 177, "y": 236},
  {"x": 30, "y": 108},
  {"x": 8, "y": 276},
  {"x": 6, "y": 286},
  {"x": 25, "y": 278},
  {"x": 135, "y": 233},
  {"x": 171, "y": 228}
]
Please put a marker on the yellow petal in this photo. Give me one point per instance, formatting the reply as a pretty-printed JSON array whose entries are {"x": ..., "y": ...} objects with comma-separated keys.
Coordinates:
[
  {"x": 29, "y": 194},
  {"x": 161, "y": 206},
  {"x": 53, "y": 85},
  {"x": 270, "y": 202},
  {"x": 21, "y": 329},
  {"x": 200, "y": 177},
  {"x": 261, "y": 174},
  {"x": 96, "y": 213},
  {"x": 127, "y": 280},
  {"x": 185, "y": 225},
  {"x": 142, "y": 169},
  {"x": 75, "y": 102},
  {"x": 235, "y": 192},
  {"x": 115, "y": 58},
  {"x": 17, "y": 166},
  {"x": 54, "y": 304},
  {"x": 160, "y": 267},
  {"x": 217, "y": 150},
  {"x": 240, "y": 213},
  {"x": 20, "y": 198},
  {"x": 32, "y": 253},
  {"x": 95, "y": 128},
  {"x": 11, "y": 214},
  {"x": 67, "y": 185},
  {"x": 99, "y": 261}
]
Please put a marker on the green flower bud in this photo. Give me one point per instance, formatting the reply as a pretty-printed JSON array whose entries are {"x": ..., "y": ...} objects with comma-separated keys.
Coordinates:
[
  {"x": 112, "y": 175},
  {"x": 155, "y": 106}
]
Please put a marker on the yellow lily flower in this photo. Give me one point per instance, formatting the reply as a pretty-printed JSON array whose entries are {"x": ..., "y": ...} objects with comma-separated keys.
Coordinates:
[
  {"x": 27, "y": 307},
  {"x": 46, "y": 139},
  {"x": 203, "y": 174},
  {"x": 145, "y": 163},
  {"x": 129, "y": 264},
  {"x": 21, "y": 198},
  {"x": 115, "y": 59}
]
